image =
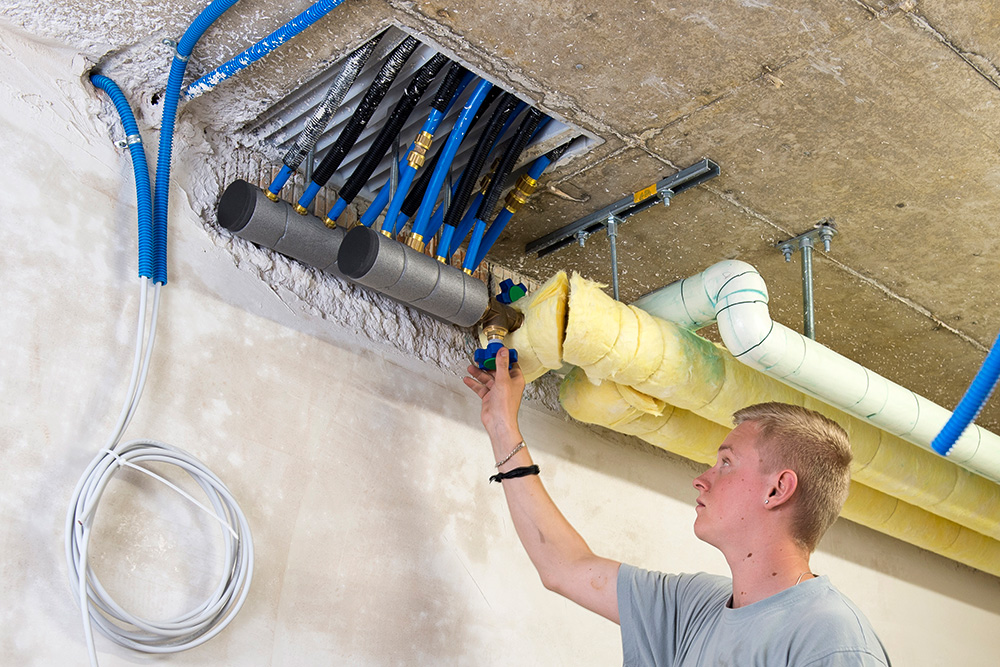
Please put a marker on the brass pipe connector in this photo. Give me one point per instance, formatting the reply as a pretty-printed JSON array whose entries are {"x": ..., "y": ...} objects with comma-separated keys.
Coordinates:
[
  {"x": 499, "y": 320},
  {"x": 301, "y": 210},
  {"x": 522, "y": 191},
  {"x": 416, "y": 241},
  {"x": 270, "y": 195},
  {"x": 421, "y": 145},
  {"x": 332, "y": 224}
]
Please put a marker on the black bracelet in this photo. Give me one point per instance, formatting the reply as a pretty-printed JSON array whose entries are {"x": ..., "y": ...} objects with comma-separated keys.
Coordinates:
[{"x": 516, "y": 472}]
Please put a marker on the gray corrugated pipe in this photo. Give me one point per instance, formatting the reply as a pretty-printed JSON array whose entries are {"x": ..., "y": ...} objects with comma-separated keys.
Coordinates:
[
  {"x": 735, "y": 294},
  {"x": 413, "y": 278},
  {"x": 247, "y": 212}
]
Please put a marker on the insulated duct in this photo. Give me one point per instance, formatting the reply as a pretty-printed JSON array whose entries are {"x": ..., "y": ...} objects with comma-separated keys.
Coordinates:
[
  {"x": 734, "y": 293},
  {"x": 246, "y": 211},
  {"x": 413, "y": 278},
  {"x": 656, "y": 366}
]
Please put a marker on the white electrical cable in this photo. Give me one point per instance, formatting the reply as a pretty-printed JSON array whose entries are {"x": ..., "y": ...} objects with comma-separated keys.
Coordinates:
[{"x": 96, "y": 605}]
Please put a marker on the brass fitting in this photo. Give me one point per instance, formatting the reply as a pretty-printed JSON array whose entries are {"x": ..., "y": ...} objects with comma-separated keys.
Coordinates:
[
  {"x": 270, "y": 195},
  {"x": 416, "y": 241},
  {"x": 467, "y": 272},
  {"x": 500, "y": 319},
  {"x": 441, "y": 259},
  {"x": 524, "y": 188},
  {"x": 421, "y": 145},
  {"x": 332, "y": 224},
  {"x": 301, "y": 210},
  {"x": 386, "y": 233},
  {"x": 486, "y": 183}
]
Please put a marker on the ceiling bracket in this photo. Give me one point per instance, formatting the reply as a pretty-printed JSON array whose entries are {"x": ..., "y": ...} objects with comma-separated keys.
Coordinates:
[
  {"x": 822, "y": 231},
  {"x": 660, "y": 192}
]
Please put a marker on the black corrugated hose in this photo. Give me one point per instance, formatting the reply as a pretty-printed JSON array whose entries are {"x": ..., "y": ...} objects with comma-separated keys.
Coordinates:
[
  {"x": 448, "y": 87},
  {"x": 380, "y": 86},
  {"x": 478, "y": 159},
  {"x": 416, "y": 194},
  {"x": 400, "y": 113},
  {"x": 507, "y": 162}
]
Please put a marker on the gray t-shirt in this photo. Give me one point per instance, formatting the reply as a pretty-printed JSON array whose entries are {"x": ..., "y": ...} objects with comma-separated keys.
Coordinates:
[{"x": 683, "y": 620}]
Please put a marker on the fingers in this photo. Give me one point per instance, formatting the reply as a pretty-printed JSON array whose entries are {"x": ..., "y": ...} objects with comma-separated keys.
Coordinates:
[
  {"x": 480, "y": 389},
  {"x": 503, "y": 365}
]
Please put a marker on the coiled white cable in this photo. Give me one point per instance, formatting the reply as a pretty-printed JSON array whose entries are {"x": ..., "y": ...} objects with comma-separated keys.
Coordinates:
[{"x": 96, "y": 605}]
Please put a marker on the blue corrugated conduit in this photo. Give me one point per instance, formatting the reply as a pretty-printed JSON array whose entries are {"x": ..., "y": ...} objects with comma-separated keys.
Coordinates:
[
  {"x": 517, "y": 197},
  {"x": 447, "y": 94},
  {"x": 359, "y": 120},
  {"x": 972, "y": 402},
  {"x": 416, "y": 194},
  {"x": 317, "y": 123},
  {"x": 421, "y": 227},
  {"x": 260, "y": 49},
  {"x": 510, "y": 156},
  {"x": 477, "y": 160},
  {"x": 97, "y": 608},
  {"x": 387, "y": 135},
  {"x": 143, "y": 189},
  {"x": 171, "y": 98}
]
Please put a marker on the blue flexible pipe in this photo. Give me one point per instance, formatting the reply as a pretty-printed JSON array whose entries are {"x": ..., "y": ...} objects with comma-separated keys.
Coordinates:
[
  {"x": 161, "y": 192},
  {"x": 972, "y": 403},
  {"x": 408, "y": 172},
  {"x": 493, "y": 233},
  {"x": 143, "y": 190},
  {"x": 260, "y": 49},
  {"x": 455, "y": 137}
]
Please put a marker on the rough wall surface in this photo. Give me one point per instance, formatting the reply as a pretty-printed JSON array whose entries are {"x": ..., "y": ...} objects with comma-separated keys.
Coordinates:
[{"x": 343, "y": 430}]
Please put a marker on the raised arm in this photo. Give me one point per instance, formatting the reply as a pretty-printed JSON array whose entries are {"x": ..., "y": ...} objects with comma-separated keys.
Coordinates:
[{"x": 564, "y": 562}]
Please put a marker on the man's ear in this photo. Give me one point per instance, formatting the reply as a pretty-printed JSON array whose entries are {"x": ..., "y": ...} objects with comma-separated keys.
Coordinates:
[{"x": 783, "y": 487}]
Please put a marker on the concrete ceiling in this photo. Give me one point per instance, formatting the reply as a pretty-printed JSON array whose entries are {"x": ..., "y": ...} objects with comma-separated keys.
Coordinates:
[{"x": 883, "y": 116}]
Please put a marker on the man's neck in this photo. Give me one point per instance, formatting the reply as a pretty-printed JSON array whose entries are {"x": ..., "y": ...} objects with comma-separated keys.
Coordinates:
[{"x": 763, "y": 572}]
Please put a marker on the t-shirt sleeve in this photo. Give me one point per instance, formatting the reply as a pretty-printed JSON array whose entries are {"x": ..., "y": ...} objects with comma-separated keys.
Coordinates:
[
  {"x": 659, "y": 612},
  {"x": 851, "y": 658}
]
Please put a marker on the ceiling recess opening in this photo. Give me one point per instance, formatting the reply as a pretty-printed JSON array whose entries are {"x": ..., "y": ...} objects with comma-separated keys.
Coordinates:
[{"x": 279, "y": 125}]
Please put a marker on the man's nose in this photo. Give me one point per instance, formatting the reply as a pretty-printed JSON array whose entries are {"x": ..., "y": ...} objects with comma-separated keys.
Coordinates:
[{"x": 700, "y": 483}]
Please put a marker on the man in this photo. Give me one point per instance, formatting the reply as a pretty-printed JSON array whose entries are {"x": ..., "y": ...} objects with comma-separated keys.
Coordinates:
[{"x": 779, "y": 482}]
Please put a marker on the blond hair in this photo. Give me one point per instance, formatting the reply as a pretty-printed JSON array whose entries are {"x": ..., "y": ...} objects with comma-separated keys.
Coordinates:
[{"x": 819, "y": 452}]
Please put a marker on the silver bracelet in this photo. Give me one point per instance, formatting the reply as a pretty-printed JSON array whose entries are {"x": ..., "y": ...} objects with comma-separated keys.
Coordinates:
[{"x": 511, "y": 455}]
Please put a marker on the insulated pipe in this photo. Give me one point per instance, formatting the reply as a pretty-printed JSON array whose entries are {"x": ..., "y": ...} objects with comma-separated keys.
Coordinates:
[
  {"x": 420, "y": 224},
  {"x": 454, "y": 83},
  {"x": 623, "y": 343},
  {"x": 500, "y": 174},
  {"x": 411, "y": 277},
  {"x": 246, "y": 211},
  {"x": 143, "y": 189},
  {"x": 387, "y": 135},
  {"x": 518, "y": 196},
  {"x": 317, "y": 123},
  {"x": 161, "y": 193},
  {"x": 734, "y": 293},
  {"x": 626, "y": 410},
  {"x": 349, "y": 135},
  {"x": 260, "y": 49}
]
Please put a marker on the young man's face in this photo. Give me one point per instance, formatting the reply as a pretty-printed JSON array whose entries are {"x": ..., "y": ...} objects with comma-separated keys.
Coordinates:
[{"x": 733, "y": 491}]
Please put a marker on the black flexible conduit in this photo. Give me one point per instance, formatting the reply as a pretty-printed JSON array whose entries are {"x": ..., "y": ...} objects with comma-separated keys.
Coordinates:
[
  {"x": 334, "y": 97},
  {"x": 380, "y": 86},
  {"x": 507, "y": 162},
  {"x": 416, "y": 194},
  {"x": 447, "y": 89},
  {"x": 393, "y": 125},
  {"x": 478, "y": 159}
]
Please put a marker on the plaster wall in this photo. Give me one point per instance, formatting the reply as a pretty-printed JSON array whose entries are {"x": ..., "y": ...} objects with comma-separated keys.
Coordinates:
[{"x": 344, "y": 432}]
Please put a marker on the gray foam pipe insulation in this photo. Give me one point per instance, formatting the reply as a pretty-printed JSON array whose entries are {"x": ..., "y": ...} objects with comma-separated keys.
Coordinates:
[
  {"x": 247, "y": 212},
  {"x": 361, "y": 255}
]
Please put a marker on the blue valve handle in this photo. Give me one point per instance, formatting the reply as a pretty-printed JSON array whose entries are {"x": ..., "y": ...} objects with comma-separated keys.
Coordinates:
[
  {"x": 487, "y": 359},
  {"x": 510, "y": 292}
]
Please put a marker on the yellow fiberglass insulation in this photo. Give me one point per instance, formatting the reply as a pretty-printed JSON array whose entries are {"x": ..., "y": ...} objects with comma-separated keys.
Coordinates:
[
  {"x": 621, "y": 408},
  {"x": 539, "y": 339},
  {"x": 687, "y": 371}
]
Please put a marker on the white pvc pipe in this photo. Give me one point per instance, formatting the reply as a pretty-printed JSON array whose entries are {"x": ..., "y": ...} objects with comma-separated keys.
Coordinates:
[{"x": 733, "y": 293}]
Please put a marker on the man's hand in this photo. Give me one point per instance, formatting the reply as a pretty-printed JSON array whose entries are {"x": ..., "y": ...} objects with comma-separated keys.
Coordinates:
[{"x": 501, "y": 392}]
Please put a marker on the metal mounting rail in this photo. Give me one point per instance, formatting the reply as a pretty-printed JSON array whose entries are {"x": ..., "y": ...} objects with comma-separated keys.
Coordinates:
[{"x": 624, "y": 208}]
